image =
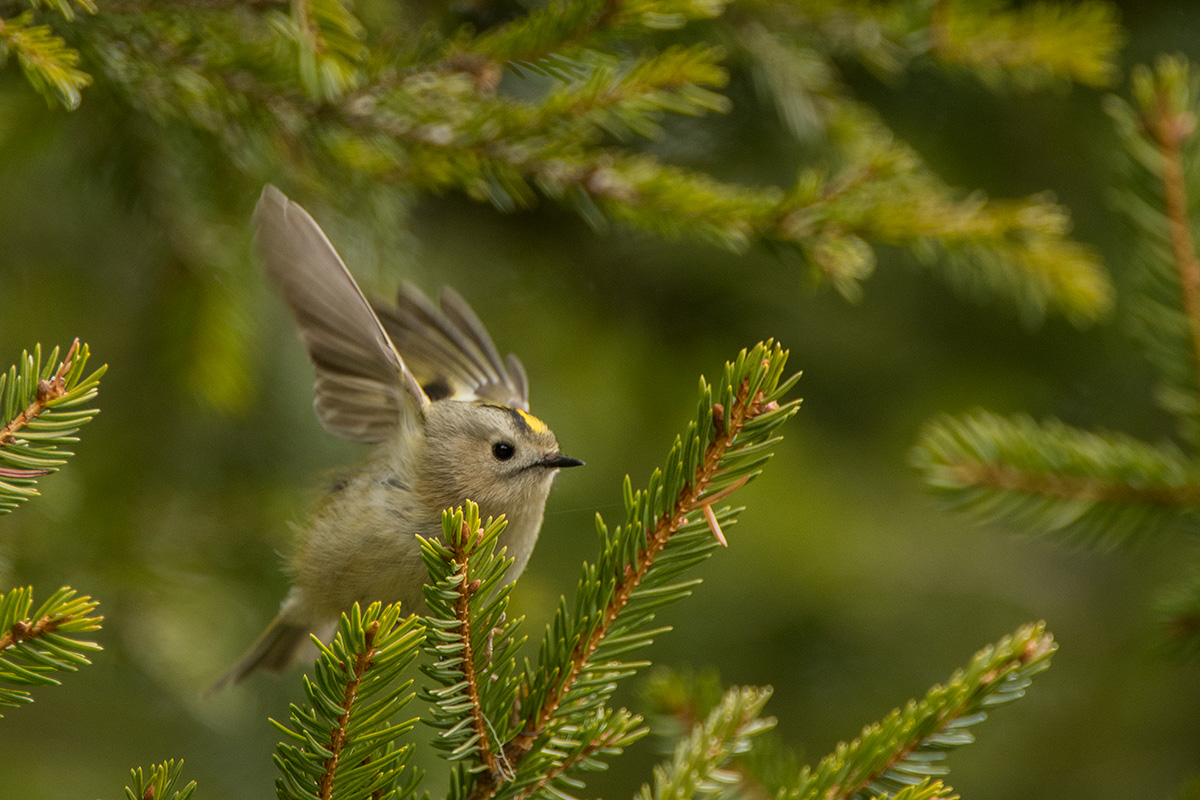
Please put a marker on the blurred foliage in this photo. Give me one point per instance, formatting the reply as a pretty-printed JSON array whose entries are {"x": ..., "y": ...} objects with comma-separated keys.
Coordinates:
[
  {"x": 1107, "y": 488},
  {"x": 506, "y": 104},
  {"x": 127, "y": 223}
]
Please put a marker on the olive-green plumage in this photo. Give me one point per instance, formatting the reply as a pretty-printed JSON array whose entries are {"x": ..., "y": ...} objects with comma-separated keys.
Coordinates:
[{"x": 448, "y": 418}]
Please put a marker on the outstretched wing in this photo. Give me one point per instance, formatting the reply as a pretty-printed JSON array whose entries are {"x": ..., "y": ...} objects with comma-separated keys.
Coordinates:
[
  {"x": 449, "y": 350},
  {"x": 363, "y": 388}
]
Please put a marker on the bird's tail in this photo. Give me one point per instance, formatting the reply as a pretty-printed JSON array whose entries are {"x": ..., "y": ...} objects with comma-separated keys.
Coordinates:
[{"x": 274, "y": 651}]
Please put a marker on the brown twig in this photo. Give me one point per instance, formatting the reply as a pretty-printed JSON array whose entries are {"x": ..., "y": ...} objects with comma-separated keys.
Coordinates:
[
  {"x": 22, "y": 631},
  {"x": 1069, "y": 487},
  {"x": 1170, "y": 130},
  {"x": 337, "y": 739},
  {"x": 47, "y": 391},
  {"x": 727, "y": 424},
  {"x": 462, "y": 611}
]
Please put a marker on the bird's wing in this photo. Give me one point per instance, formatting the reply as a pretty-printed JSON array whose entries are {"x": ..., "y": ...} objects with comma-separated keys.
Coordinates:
[
  {"x": 449, "y": 350},
  {"x": 364, "y": 390}
]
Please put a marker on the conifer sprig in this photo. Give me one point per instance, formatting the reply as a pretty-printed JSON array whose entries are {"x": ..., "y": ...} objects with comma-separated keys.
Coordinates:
[
  {"x": 1163, "y": 147},
  {"x": 1027, "y": 46},
  {"x": 698, "y": 766},
  {"x": 562, "y": 27},
  {"x": 470, "y": 640},
  {"x": 343, "y": 743},
  {"x": 671, "y": 526},
  {"x": 927, "y": 789},
  {"x": 41, "y": 408},
  {"x": 35, "y": 645},
  {"x": 1092, "y": 488},
  {"x": 159, "y": 783},
  {"x": 50, "y": 66},
  {"x": 907, "y": 746},
  {"x": 1030, "y": 45}
]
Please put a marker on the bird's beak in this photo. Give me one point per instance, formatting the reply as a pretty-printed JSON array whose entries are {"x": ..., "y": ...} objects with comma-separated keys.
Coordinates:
[{"x": 558, "y": 461}]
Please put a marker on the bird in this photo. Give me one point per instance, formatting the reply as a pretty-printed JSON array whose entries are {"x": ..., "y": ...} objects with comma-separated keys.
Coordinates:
[{"x": 448, "y": 419}]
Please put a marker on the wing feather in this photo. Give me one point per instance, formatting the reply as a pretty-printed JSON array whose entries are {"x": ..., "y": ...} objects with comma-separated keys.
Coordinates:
[
  {"x": 363, "y": 388},
  {"x": 449, "y": 350}
]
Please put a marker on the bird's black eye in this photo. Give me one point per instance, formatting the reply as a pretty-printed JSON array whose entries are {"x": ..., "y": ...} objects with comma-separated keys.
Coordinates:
[{"x": 503, "y": 451}]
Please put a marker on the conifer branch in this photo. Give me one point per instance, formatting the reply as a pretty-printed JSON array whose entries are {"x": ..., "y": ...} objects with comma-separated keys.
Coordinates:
[
  {"x": 36, "y": 644},
  {"x": 462, "y": 606},
  {"x": 612, "y": 740},
  {"x": 337, "y": 736},
  {"x": 159, "y": 783},
  {"x": 343, "y": 743},
  {"x": 1171, "y": 127},
  {"x": 1028, "y": 45},
  {"x": 560, "y": 722},
  {"x": 41, "y": 408},
  {"x": 419, "y": 124},
  {"x": 691, "y": 499},
  {"x": 50, "y": 66},
  {"x": 926, "y": 789},
  {"x": 470, "y": 641},
  {"x": 47, "y": 390},
  {"x": 1053, "y": 477},
  {"x": 905, "y": 747},
  {"x": 554, "y": 28},
  {"x": 700, "y": 760}
]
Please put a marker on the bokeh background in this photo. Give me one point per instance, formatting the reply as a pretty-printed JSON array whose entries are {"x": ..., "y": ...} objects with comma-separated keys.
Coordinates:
[{"x": 845, "y": 587}]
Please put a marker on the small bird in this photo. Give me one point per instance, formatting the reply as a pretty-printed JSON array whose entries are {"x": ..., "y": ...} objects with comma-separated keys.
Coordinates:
[{"x": 449, "y": 421}]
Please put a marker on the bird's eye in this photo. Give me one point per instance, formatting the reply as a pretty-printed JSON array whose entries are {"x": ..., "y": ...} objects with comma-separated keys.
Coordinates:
[{"x": 503, "y": 451}]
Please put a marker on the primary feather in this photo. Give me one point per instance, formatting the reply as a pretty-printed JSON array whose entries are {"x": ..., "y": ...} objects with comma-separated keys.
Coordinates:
[{"x": 363, "y": 387}]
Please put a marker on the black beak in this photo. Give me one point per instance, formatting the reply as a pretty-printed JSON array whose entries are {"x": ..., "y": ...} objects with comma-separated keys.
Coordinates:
[{"x": 558, "y": 461}]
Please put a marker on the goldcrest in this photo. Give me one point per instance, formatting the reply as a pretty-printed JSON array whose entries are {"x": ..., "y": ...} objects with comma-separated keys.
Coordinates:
[{"x": 449, "y": 421}]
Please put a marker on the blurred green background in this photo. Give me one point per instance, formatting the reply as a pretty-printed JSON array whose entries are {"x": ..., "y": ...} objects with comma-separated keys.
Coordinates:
[{"x": 844, "y": 587}]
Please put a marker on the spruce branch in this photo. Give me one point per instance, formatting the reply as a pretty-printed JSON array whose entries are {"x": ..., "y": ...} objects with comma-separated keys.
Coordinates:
[
  {"x": 331, "y": 47},
  {"x": 561, "y": 720},
  {"x": 555, "y": 28},
  {"x": 562, "y": 28},
  {"x": 698, "y": 767},
  {"x": 1028, "y": 46},
  {"x": 926, "y": 789},
  {"x": 50, "y": 66},
  {"x": 35, "y": 645},
  {"x": 470, "y": 640},
  {"x": 159, "y": 783},
  {"x": 443, "y": 124},
  {"x": 1170, "y": 127},
  {"x": 343, "y": 742},
  {"x": 65, "y": 8},
  {"x": 907, "y": 746},
  {"x": 41, "y": 408},
  {"x": 1092, "y": 488},
  {"x": 1160, "y": 143},
  {"x": 1104, "y": 488}
]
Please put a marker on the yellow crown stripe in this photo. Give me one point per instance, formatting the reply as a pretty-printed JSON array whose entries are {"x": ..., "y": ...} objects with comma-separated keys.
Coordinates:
[{"x": 535, "y": 424}]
